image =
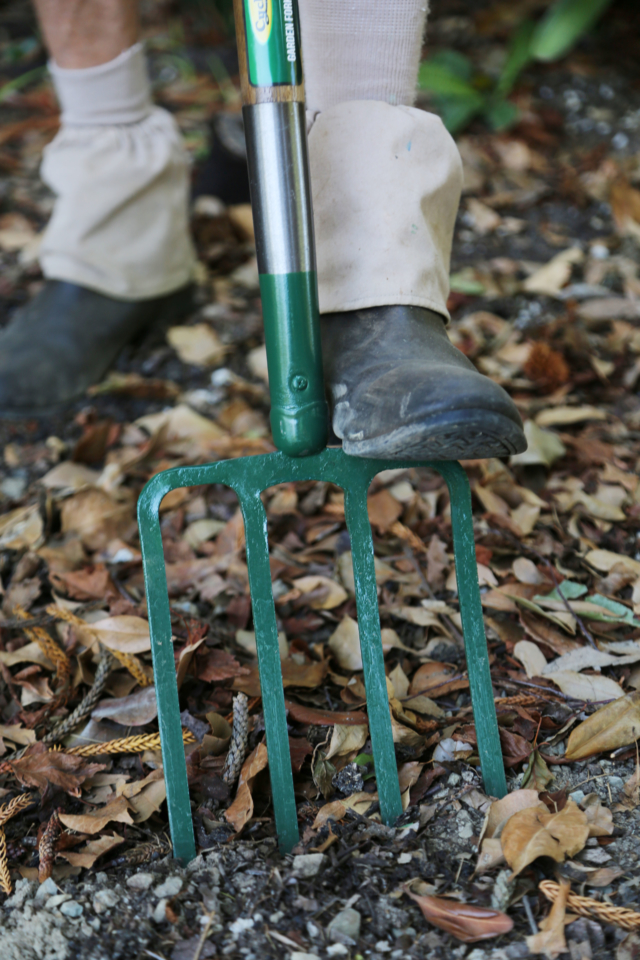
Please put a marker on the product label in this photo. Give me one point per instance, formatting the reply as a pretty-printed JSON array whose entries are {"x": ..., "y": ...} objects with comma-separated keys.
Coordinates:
[{"x": 273, "y": 42}]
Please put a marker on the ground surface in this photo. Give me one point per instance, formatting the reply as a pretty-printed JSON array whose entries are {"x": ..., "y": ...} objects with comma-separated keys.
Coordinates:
[{"x": 561, "y": 184}]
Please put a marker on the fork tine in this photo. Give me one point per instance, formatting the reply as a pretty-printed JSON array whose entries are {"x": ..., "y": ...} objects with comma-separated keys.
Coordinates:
[
  {"x": 375, "y": 680},
  {"x": 275, "y": 720}
]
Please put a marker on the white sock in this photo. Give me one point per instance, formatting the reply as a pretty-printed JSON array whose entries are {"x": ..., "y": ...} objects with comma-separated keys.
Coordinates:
[
  {"x": 111, "y": 93},
  {"x": 359, "y": 50},
  {"x": 121, "y": 175}
]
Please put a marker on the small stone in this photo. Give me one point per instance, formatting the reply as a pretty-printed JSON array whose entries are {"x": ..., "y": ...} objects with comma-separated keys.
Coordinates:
[
  {"x": 46, "y": 889},
  {"x": 241, "y": 925},
  {"x": 465, "y": 829},
  {"x": 307, "y": 865},
  {"x": 345, "y": 927},
  {"x": 170, "y": 888},
  {"x": 56, "y": 900},
  {"x": 616, "y": 783},
  {"x": 71, "y": 909},
  {"x": 313, "y": 930},
  {"x": 108, "y": 898},
  {"x": 337, "y": 950},
  {"x": 405, "y": 858},
  {"x": 140, "y": 881},
  {"x": 276, "y": 917},
  {"x": 383, "y": 946},
  {"x": 453, "y": 779},
  {"x": 160, "y": 912},
  {"x": 577, "y": 796},
  {"x": 301, "y": 955}
]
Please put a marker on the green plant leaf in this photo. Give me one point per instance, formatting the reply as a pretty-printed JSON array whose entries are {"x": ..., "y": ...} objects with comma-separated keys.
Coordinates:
[
  {"x": 619, "y": 612},
  {"x": 564, "y": 23},
  {"x": 568, "y": 589},
  {"x": 455, "y": 62},
  {"x": 456, "y": 114},
  {"x": 500, "y": 114},
  {"x": 518, "y": 56},
  {"x": 443, "y": 81}
]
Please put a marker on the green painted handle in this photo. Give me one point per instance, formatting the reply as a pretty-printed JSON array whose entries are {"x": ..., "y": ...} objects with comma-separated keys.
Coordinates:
[{"x": 275, "y": 129}]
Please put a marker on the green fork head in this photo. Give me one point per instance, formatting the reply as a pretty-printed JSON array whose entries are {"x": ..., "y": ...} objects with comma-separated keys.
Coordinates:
[{"x": 248, "y": 477}]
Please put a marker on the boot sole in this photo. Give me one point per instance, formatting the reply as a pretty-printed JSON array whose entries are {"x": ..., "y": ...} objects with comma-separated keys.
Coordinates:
[{"x": 463, "y": 435}]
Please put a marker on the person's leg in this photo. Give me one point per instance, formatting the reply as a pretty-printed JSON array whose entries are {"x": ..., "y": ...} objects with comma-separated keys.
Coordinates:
[
  {"x": 386, "y": 181},
  {"x": 116, "y": 253},
  {"x": 86, "y": 33}
]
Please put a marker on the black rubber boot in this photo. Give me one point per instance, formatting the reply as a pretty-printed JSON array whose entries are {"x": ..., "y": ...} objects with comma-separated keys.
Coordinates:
[
  {"x": 400, "y": 390},
  {"x": 66, "y": 338}
]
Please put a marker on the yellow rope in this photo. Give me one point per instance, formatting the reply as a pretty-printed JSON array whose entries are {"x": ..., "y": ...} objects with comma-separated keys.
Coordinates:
[
  {"x": 135, "y": 744},
  {"x": 586, "y": 907},
  {"x": 8, "y": 810},
  {"x": 5, "y": 876},
  {"x": 131, "y": 663}
]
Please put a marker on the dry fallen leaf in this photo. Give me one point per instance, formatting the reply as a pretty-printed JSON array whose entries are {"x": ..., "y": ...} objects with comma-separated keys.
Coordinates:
[
  {"x": 614, "y": 725},
  {"x": 550, "y": 278},
  {"x": 599, "y": 817},
  {"x": 198, "y": 344},
  {"x": 241, "y": 810},
  {"x": 550, "y": 941},
  {"x": 38, "y": 767},
  {"x": 132, "y": 711},
  {"x": 327, "y": 594},
  {"x": 128, "y": 634},
  {"x": 502, "y": 810},
  {"x": 531, "y": 657},
  {"x": 116, "y": 810},
  {"x": 536, "y": 832},
  {"x": 465, "y": 922},
  {"x": 589, "y": 687},
  {"x": 346, "y": 739},
  {"x": 87, "y": 855}
]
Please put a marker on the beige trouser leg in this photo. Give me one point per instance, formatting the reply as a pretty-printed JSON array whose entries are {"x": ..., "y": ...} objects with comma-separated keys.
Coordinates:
[
  {"x": 386, "y": 177},
  {"x": 120, "y": 173}
]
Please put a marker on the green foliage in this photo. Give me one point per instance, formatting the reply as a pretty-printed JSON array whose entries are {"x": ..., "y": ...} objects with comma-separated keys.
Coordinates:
[{"x": 461, "y": 93}]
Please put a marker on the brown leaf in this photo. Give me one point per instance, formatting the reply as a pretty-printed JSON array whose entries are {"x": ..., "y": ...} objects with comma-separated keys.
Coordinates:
[
  {"x": 614, "y": 725},
  {"x": 125, "y": 633},
  {"x": 97, "y": 518},
  {"x": 310, "y": 674},
  {"x": 464, "y": 921},
  {"x": 116, "y": 810},
  {"x": 546, "y": 367},
  {"x": 87, "y": 856},
  {"x": 323, "y": 718},
  {"x": 38, "y": 767},
  {"x": 216, "y": 665},
  {"x": 502, "y": 810},
  {"x": 630, "y": 796},
  {"x": 536, "y": 832},
  {"x": 599, "y": 817},
  {"x": 383, "y": 509},
  {"x": 550, "y": 941},
  {"x": 241, "y": 810},
  {"x": 436, "y": 679},
  {"x": 132, "y": 711},
  {"x": 91, "y": 583}
]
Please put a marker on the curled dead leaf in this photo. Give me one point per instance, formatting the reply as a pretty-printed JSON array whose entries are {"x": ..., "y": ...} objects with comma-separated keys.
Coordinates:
[
  {"x": 614, "y": 725},
  {"x": 38, "y": 767},
  {"x": 465, "y": 922},
  {"x": 536, "y": 832},
  {"x": 241, "y": 810}
]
